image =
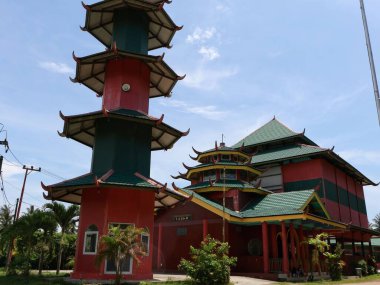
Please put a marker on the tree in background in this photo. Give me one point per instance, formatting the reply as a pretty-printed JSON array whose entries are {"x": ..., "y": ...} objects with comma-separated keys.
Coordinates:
[
  {"x": 375, "y": 225},
  {"x": 210, "y": 264},
  {"x": 66, "y": 219},
  {"x": 25, "y": 232}
]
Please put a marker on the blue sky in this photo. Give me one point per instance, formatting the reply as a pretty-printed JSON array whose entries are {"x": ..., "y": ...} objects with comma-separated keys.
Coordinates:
[{"x": 304, "y": 61}]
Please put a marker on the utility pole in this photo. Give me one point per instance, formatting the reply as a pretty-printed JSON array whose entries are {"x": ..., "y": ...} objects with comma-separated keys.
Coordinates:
[
  {"x": 28, "y": 170},
  {"x": 1, "y": 163},
  {"x": 371, "y": 61},
  {"x": 5, "y": 144}
]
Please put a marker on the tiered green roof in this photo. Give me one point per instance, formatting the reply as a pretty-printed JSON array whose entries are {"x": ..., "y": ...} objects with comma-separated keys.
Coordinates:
[
  {"x": 271, "y": 132},
  {"x": 286, "y": 203},
  {"x": 286, "y": 152},
  {"x": 276, "y": 143},
  {"x": 228, "y": 184},
  {"x": 272, "y": 205}
]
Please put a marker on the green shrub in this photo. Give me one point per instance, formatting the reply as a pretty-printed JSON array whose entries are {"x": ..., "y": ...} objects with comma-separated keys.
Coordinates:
[
  {"x": 335, "y": 263},
  {"x": 363, "y": 265},
  {"x": 371, "y": 264},
  {"x": 210, "y": 264}
]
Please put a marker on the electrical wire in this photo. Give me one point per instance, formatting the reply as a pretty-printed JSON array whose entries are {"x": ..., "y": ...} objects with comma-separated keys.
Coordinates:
[{"x": 15, "y": 157}]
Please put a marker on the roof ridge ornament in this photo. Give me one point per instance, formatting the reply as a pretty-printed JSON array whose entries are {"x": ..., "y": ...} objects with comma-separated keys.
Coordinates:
[
  {"x": 187, "y": 167},
  {"x": 193, "y": 158},
  {"x": 159, "y": 121},
  {"x": 184, "y": 134},
  {"x": 88, "y": 8},
  {"x": 196, "y": 152},
  {"x": 216, "y": 145}
]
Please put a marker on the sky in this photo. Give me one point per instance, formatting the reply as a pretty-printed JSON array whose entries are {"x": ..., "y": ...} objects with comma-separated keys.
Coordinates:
[{"x": 303, "y": 61}]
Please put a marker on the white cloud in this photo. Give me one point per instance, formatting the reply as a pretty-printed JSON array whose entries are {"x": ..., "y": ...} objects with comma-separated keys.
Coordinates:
[
  {"x": 222, "y": 7},
  {"x": 208, "y": 79},
  {"x": 209, "y": 53},
  {"x": 357, "y": 156},
  {"x": 201, "y": 35},
  {"x": 210, "y": 112},
  {"x": 56, "y": 67}
]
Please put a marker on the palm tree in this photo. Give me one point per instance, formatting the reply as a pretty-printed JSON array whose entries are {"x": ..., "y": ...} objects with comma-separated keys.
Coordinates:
[
  {"x": 376, "y": 223},
  {"x": 6, "y": 220},
  {"x": 120, "y": 244},
  {"x": 6, "y": 217},
  {"x": 25, "y": 231},
  {"x": 66, "y": 219}
]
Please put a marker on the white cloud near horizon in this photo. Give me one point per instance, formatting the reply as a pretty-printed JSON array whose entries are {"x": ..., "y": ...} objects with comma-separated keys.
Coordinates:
[
  {"x": 209, "y": 53},
  {"x": 208, "y": 78},
  {"x": 210, "y": 112},
  {"x": 55, "y": 67},
  {"x": 201, "y": 35},
  {"x": 363, "y": 157}
]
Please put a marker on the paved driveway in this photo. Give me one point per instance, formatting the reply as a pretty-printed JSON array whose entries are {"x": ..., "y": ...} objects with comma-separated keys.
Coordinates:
[{"x": 238, "y": 280}]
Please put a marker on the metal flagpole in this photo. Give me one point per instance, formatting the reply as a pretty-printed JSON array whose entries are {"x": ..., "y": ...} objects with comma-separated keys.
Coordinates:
[
  {"x": 371, "y": 62},
  {"x": 224, "y": 204}
]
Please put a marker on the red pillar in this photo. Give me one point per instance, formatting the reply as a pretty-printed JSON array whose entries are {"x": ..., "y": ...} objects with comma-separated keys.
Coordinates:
[
  {"x": 303, "y": 248},
  {"x": 285, "y": 258},
  {"x": 205, "y": 229},
  {"x": 159, "y": 246},
  {"x": 274, "y": 241},
  {"x": 292, "y": 246},
  {"x": 264, "y": 227}
]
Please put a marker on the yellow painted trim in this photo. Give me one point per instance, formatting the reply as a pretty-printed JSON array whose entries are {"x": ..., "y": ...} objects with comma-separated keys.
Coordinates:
[
  {"x": 216, "y": 152},
  {"x": 324, "y": 221},
  {"x": 226, "y": 189},
  {"x": 280, "y": 218},
  {"x": 216, "y": 166},
  {"x": 315, "y": 195}
]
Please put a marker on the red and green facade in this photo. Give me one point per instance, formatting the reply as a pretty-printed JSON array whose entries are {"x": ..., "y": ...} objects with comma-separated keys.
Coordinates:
[
  {"x": 280, "y": 188},
  {"x": 118, "y": 189}
]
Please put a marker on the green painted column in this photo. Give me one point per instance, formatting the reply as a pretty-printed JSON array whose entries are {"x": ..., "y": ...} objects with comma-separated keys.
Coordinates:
[
  {"x": 131, "y": 30},
  {"x": 125, "y": 148}
]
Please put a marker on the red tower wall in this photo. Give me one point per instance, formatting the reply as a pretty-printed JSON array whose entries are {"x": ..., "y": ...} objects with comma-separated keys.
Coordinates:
[
  {"x": 133, "y": 72},
  {"x": 113, "y": 205}
]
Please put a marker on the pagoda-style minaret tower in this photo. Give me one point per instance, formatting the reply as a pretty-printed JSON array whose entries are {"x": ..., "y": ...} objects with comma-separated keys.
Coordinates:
[
  {"x": 223, "y": 169},
  {"x": 118, "y": 190}
]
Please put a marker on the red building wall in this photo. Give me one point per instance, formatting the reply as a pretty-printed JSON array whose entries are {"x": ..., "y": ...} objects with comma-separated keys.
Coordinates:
[
  {"x": 341, "y": 193},
  {"x": 128, "y": 206}
]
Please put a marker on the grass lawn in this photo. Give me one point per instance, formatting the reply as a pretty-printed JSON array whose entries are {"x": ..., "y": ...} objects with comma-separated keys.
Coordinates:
[{"x": 371, "y": 278}]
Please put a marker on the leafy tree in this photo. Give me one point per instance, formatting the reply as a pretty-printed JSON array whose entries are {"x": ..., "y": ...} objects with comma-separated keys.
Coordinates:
[
  {"x": 66, "y": 219},
  {"x": 210, "y": 264},
  {"x": 6, "y": 218},
  {"x": 25, "y": 232},
  {"x": 335, "y": 263},
  {"x": 376, "y": 223},
  {"x": 319, "y": 245},
  {"x": 120, "y": 244}
]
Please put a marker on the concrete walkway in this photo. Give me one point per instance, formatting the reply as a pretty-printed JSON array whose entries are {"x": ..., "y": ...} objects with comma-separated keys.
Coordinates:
[{"x": 239, "y": 280}]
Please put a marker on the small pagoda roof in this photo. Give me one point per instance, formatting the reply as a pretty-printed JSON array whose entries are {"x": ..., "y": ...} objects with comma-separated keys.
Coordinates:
[
  {"x": 221, "y": 149},
  {"x": 90, "y": 71},
  {"x": 70, "y": 191},
  {"x": 82, "y": 127},
  {"x": 274, "y": 208},
  {"x": 99, "y": 21},
  {"x": 273, "y": 131},
  {"x": 299, "y": 151},
  {"x": 221, "y": 165},
  {"x": 220, "y": 185}
]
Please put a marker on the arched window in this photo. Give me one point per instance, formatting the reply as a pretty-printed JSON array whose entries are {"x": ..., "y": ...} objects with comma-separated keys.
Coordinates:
[{"x": 91, "y": 240}]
